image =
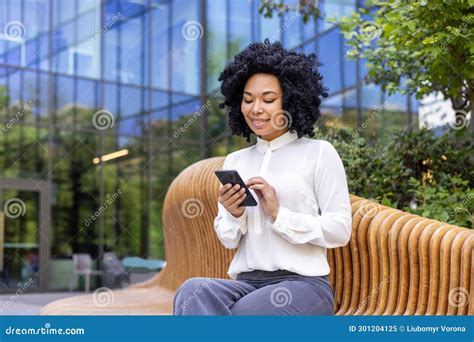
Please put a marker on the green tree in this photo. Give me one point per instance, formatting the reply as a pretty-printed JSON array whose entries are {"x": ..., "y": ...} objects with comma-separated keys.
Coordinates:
[
  {"x": 410, "y": 47},
  {"x": 416, "y": 47}
]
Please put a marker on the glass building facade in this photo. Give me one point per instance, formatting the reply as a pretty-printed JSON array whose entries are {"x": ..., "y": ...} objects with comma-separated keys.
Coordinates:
[{"x": 83, "y": 79}]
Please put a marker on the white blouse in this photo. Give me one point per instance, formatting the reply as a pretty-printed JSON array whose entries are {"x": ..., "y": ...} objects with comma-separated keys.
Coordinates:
[{"x": 314, "y": 213}]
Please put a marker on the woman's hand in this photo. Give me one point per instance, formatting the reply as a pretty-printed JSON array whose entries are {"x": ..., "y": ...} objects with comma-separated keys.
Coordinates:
[
  {"x": 230, "y": 197},
  {"x": 267, "y": 196}
]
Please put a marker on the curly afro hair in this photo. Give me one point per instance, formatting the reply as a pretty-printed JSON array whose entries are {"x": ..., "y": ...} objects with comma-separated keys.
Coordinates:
[{"x": 299, "y": 79}]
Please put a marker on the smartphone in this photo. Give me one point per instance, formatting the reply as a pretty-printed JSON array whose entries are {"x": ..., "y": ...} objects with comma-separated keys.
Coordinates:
[{"x": 233, "y": 177}]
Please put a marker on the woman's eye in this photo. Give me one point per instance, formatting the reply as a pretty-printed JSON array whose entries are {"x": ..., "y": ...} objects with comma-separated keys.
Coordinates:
[{"x": 266, "y": 101}]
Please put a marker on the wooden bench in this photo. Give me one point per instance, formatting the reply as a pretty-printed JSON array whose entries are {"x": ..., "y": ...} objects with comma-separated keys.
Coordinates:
[{"x": 396, "y": 263}]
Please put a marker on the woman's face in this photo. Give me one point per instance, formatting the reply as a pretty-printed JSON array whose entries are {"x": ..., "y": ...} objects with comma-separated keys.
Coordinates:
[{"x": 262, "y": 106}]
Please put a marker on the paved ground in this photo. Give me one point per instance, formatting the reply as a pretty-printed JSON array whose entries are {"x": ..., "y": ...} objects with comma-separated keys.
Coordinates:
[
  {"x": 28, "y": 304},
  {"x": 31, "y": 303}
]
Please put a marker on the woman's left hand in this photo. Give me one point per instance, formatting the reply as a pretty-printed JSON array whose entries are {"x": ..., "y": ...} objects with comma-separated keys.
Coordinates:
[{"x": 267, "y": 196}]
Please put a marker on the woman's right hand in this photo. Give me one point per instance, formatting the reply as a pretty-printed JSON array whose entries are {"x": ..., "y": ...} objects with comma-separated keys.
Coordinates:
[{"x": 230, "y": 197}]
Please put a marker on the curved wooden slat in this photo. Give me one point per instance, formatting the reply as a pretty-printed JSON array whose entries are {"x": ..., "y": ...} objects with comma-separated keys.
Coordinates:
[
  {"x": 466, "y": 277},
  {"x": 395, "y": 263},
  {"x": 384, "y": 252},
  {"x": 445, "y": 270},
  {"x": 425, "y": 265},
  {"x": 376, "y": 282},
  {"x": 455, "y": 273},
  {"x": 414, "y": 259},
  {"x": 404, "y": 267},
  {"x": 435, "y": 268}
]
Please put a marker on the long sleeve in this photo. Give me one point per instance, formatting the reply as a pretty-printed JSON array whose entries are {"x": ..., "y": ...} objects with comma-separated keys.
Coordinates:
[
  {"x": 229, "y": 228},
  {"x": 332, "y": 228}
]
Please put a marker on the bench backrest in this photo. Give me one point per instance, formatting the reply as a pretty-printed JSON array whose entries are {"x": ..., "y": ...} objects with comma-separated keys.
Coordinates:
[{"x": 395, "y": 263}]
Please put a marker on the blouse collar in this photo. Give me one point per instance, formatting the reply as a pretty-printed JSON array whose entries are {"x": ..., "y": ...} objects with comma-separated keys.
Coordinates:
[{"x": 284, "y": 139}]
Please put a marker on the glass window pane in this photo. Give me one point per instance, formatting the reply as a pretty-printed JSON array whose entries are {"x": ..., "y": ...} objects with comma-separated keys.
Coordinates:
[
  {"x": 111, "y": 50},
  {"x": 371, "y": 96},
  {"x": 131, "y": 51},
  {"x": 240, "y": 25},
  {"x": 86, "y": 103},
  {"x": 216, "y": 42},
  {"x": 130, "y": 101},
  {"x": 64, "y": 97},
  {"x": 131, "y": 127},
  {"x": 290, "y": 29},
  {"x": 160, "y": 46},
  {"x": 186, "y": 37},
  {"x": 328, "y": 48}
]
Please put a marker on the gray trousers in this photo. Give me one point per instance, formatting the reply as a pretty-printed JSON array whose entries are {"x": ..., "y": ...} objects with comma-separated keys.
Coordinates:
[{"x": 256, "y": 293}]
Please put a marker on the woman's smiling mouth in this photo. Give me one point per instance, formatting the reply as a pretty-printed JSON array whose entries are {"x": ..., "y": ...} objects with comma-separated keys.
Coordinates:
[{"x": 259, "y": 123}]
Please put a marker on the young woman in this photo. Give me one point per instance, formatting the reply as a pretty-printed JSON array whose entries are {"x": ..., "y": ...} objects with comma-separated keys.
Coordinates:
[{"x": 300, "y": 184}]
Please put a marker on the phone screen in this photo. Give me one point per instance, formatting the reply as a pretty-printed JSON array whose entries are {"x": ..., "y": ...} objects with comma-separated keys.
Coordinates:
[{"x": 233, "y": 177}]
